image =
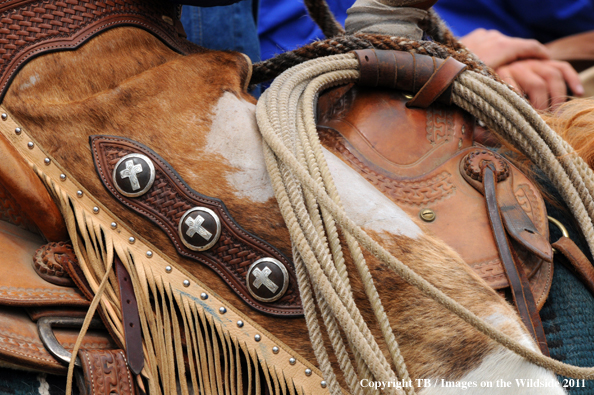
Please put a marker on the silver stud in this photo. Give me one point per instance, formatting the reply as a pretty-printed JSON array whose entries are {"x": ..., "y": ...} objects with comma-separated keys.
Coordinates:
[
  {"x": 47, "y": 161},
  {"x": 79, "y": 194},
  {"x": 203, "y": 296},
  {"x": 275, "y": 350},
  {"x": 96, "y": 210},
  {"x": 131, "y": 240},
  {"x": 149, "y": 254},
  {"x": 222, "y": 310},
  {"x": 257, "y": 338},
  {"x": 292, "y": 361},
  {"x": 186, "y": 283},
  {"x": 63, "y": 177},
  {"x": 168, "y": 269},
  {"x": 308, "y": 372},
  {"x": 323, "y": 384},
  {"x": 240, "y": 324},
  {"x": 17, "y": 130},
  {"x": 114, "y": 225},
  {"x": 30, "y": 145},
  {"x": 4, "y": 116}
]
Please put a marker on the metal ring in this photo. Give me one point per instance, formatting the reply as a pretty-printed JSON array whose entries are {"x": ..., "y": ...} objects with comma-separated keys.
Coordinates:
[
  {"x": 559, "y": 225},
  {"x": 51, "y": 344}
]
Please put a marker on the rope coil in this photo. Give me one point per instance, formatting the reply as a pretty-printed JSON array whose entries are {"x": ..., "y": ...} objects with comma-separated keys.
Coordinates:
[{"x": 311, "y": 207}]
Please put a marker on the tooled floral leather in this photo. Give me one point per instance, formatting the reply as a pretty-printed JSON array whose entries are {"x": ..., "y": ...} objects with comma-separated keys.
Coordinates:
[
  {"x": 48, "y": 265},
  {"x": 105, "y": 372},
  {"x": 31, "y": 28},
  {"x": 170, "y": 198},
  {"x": 413, "y": 157}
]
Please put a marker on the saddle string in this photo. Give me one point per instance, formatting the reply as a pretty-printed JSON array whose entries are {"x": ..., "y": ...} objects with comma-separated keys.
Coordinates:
[{"x": 508, "y": 113}]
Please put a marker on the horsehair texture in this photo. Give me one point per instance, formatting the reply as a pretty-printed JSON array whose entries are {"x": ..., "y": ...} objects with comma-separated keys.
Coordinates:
[{"x": 312, "y": 209}]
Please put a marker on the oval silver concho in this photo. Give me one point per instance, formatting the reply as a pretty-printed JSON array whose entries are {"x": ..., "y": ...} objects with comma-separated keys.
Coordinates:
[
  {"x": 199, "y": 228},
  {"x": 267, "y": 280},
  {"x": 134, "y": 175}
]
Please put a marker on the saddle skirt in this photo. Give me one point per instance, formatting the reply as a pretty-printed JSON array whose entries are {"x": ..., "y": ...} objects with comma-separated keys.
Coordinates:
[{"x": 414, "y": 156}]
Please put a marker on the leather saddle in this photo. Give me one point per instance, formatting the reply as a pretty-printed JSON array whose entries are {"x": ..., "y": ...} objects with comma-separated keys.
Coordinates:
[{"x": 421, "y": 152}]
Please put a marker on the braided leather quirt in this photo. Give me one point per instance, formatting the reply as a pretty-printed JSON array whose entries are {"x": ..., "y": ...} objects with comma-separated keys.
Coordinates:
[{"x": 32, "y": 28}]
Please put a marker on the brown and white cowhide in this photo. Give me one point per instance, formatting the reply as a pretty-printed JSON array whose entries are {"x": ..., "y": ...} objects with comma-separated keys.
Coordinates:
[{"x": 194, "y": 112}]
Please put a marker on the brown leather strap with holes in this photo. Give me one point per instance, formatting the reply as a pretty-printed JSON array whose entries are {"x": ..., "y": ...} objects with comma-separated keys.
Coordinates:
[
  {"x": 518, "y": 280},
  {"x": 130, "y": 318},
  {"x": 579, "y": 262},
  {"x": 426, "y": 76},
  {"x": 105, "y": 372}
]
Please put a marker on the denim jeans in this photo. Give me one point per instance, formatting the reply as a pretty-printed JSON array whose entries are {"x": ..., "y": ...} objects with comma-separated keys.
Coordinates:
[{"x": 231, "y": 27}]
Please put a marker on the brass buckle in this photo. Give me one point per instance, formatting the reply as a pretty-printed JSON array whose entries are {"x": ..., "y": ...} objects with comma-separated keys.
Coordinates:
[{"x": 45, "y": 327}]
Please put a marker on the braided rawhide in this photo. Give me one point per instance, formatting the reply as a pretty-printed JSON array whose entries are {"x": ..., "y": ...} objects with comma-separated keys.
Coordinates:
[{"x": 272, "y": 68}]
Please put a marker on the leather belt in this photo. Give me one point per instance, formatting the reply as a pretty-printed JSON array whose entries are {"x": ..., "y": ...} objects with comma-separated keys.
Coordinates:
[{"x": 200, "y": 227}]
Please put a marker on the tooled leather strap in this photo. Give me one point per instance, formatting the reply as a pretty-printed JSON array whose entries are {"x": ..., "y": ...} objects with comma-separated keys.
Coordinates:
[
  {"x": 105, "y": 372},
  {"x": 427, "y": 77},
  {"x": 31, "y": 28},
  {"x": 200, "y": 227},
  {"x": 518, "y": 280}
]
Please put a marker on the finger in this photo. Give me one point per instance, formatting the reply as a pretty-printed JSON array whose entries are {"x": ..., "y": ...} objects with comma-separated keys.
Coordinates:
[
  {"x": 526, "y": 49},
  {"x": 506, "y": 76},
  {"x": 557, "y": 90},
  {"x": 571, "y": 77},
  {"x": 533, "y": 85}
]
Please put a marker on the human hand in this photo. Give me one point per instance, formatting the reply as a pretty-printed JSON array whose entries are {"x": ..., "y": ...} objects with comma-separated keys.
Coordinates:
[
  {"x": 543, "y": 81},
  {"x": 496, "y": 49}
]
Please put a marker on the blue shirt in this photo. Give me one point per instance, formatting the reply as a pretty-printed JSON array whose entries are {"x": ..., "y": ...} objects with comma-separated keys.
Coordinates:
[
  {"x": 284, "y": 25},
  {"x": 544, "y": 20}
]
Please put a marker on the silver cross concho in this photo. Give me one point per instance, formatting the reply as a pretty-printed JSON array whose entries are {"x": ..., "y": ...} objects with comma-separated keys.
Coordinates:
[
  {"x": 262, "y": 279},
  {"x": 199, "y": 221},
  {"x": 267, "y": 280},
  {"x": 130, "y": 172},
  {"x": 195, "y": 226}
]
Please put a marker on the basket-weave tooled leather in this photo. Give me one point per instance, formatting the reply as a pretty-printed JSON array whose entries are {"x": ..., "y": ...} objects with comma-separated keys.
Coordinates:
[
  {"x": 31, "y": 28},
  {"x": 170, "y": 198}
]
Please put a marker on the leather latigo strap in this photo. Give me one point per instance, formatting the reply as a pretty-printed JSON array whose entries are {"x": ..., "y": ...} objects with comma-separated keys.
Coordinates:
[
  {"x": 578, "y": 262},
  {"x": 245, "y": 262},
  {"x": 31, "y": 28},
  {"x": 523, "y": 297},
  {"x": 105, "y": 372}
]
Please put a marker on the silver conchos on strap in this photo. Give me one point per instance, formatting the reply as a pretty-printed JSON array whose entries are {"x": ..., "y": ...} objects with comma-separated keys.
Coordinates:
[
  {"x": 267, "y": 280},
  {"x": 199, "y": 228},
  {"x": 133, "y": 175}
]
